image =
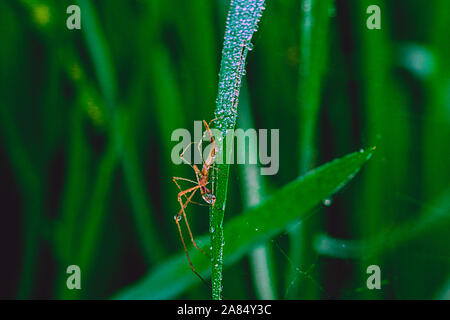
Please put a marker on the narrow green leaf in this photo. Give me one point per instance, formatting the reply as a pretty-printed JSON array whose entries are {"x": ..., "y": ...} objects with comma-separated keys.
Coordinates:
[
  {"x": 251, "y": 228},
  {"x": 242, "y": 22},
  {"x": 434, "y": 215}
]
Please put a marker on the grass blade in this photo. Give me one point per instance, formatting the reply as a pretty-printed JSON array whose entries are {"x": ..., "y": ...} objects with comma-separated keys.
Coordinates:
[
  {"x": 313, "y": 56},
  {"x": 242, "y": 21},
  {"x": 254, "y": 189},
  {"x": 125, "y": 152}
]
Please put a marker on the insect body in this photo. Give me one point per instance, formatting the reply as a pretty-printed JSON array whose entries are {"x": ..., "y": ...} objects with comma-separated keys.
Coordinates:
[{"x": 202, "y": 177}]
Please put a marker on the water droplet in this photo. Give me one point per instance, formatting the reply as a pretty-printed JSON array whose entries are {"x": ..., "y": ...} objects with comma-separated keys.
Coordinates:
[{"x": 327, "y": 202}]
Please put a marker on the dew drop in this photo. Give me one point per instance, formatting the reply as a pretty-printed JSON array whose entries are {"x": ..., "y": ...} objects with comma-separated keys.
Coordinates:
[{"x": 327, "y": 202}]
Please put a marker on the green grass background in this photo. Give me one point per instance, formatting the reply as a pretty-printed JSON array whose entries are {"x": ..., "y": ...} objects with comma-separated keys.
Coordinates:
[{"x": 86, "y": 118}]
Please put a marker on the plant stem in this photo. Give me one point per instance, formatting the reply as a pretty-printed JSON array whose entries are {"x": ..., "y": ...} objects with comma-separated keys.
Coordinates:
[
  {"x": 242, "y": 21},
  {"x": 437, "y": 88},
  {"x": 375, "y": 65},
  {"x": 254, "y": 191},
  {"x": 30, "y": 182},
  {"x": 120, "y": 134}
]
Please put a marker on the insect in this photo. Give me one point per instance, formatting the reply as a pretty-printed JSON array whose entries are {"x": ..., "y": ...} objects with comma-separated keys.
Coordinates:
[
  {"x": 202, "y": 176},
  {"x": 202, "y": 180}
]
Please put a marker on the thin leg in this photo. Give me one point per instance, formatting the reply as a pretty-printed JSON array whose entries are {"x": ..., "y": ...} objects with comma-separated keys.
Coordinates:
[
  {"x": 207, "y": 127},
  {"x": 187, "y": 253},
  {"x": 182, "y": 158},
  {"x": 199, "y": 147},
  {"x": 178, "y": 178},
  {"x": 194, "y": 167},
  {"x": 215, "y": 119},
  {"x": 183, "y": 193},
  {"x": 184, "y": 179},
  {"x": 183, "y": 206}
]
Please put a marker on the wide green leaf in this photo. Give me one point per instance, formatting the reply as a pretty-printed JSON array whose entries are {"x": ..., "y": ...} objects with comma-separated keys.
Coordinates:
[{"x": 292, "y": 202}]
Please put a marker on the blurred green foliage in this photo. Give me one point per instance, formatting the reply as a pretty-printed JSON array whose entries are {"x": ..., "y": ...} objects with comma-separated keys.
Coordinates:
[{"x": 86, "y": 118}]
